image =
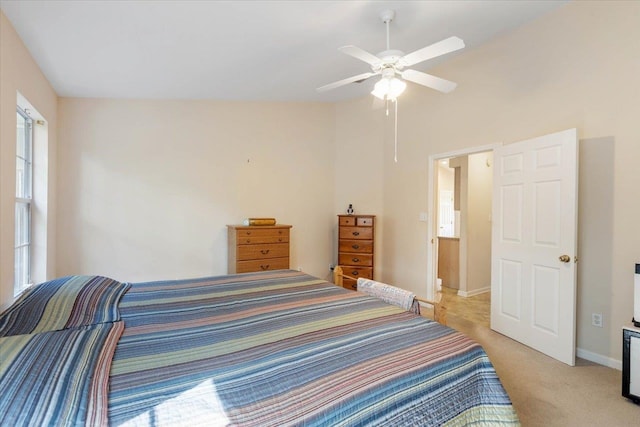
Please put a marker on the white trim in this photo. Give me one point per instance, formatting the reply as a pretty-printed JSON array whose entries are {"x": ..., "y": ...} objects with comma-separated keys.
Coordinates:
[
  {"x": 599, "y": 359},
  {"x": 474, "y": 292},
  {"x": 26, "y": 106}
]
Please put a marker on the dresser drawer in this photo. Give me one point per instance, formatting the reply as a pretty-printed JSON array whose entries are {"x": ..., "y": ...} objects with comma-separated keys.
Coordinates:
[
  {"x": 364, "y": 221},
  {"x": 355, "y": 272},
  {"x": 348, "y": 260},
  {"x": 356, "y": 221},
  {"x": 357, "y": 233},
  {"x": 263, "y": 251},
  {"x": 270, "y": 235},
  {"x": 349, "y": 284},
  {"x": 356, "y": 246},
  {"x": 262, "y": 265},
  {"x": 347, "y": 220}
]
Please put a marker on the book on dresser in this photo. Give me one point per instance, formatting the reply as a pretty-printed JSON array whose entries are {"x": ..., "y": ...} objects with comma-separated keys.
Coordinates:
[
  {"x": 258, "y": 248},
  {"x": 356, "y": 235}
]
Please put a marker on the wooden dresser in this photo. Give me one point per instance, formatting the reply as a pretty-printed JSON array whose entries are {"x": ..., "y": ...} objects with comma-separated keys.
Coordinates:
[
  {"x": 355, "y": 247},
  {"x": 258, "y": 248}
]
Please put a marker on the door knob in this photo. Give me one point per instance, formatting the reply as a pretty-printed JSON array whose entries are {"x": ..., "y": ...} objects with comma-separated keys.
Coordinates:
[{"x": 564, "y": 258}]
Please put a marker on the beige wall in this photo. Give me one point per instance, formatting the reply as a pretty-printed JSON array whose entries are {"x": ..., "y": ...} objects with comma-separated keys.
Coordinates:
[
  {"x": 478, "y": 230},
  {"x": 20, "y": 73},
  {"x": 146, "y": 188},
  {"x": 576, "y": 67}
]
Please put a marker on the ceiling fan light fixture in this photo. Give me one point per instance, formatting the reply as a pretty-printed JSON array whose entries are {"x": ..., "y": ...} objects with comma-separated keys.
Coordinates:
[
  {"x": 396, "y": 87},
  {"x": 389, "y": 88}
]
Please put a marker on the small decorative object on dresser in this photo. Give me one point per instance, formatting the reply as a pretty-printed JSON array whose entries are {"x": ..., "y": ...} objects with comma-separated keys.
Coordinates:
[
  {"x": 259, "y": 221},
  {"x": 355, "y": 247},
  {"x": 258, "y": 248}
]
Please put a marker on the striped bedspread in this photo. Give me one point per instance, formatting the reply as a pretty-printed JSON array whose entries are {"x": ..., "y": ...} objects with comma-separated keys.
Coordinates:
[{"x": 284, "y": 348}]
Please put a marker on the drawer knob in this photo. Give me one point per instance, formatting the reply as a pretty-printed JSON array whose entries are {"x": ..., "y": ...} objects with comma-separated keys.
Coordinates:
[
  {"x": 355, "y": 259},
  {"x": 264, "y": 251},
  {"x": 248, "y": 233},
  {"x": 280, "y": 240},
  {"x": 356, "y": 233},
  {"x": 354, "y": 273},
  {"x": 355, "y": 246},
  {"x": 264, "y": 267}
]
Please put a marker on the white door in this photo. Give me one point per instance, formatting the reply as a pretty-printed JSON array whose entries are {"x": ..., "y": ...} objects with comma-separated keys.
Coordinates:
[
  {"x": 446, "y": 214},
  {"x": 534, "y": 241}
]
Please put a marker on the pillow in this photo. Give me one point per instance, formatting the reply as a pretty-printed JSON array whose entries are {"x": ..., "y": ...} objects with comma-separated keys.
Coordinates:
[
  {"x": 64, "y": 303},
  {"x": 58, "y": 377},
  {"x": 389, "y": 294}
]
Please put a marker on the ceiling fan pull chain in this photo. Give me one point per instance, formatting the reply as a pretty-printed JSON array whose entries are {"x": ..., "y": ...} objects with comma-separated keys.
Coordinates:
[{"x": 395, "y": 148}]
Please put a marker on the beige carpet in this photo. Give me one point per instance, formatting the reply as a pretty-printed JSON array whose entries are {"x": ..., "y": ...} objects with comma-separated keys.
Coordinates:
[{"x": 549, "y": 393}]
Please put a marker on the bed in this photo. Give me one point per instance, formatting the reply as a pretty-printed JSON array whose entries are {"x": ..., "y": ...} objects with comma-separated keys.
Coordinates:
[{"x": 256, "y": 349}]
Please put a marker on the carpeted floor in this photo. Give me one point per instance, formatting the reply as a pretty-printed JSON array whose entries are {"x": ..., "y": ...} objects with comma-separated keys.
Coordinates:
[{"x": 545, "y": 392}]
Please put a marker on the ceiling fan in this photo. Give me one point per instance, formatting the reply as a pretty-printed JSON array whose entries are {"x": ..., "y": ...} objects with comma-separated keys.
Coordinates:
[{"x": 391, "y": 63}]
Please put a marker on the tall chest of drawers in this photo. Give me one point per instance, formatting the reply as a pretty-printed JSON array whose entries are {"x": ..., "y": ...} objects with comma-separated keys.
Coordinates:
[
  {"x": 258, "y": 248},
  {"x": 356, "y": 247}
]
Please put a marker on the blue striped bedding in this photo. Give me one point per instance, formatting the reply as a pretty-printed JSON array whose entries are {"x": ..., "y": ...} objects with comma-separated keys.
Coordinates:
[
  {"x": 64, "y": 303},
  {"x": 57, "y": 378},
  {"x": 284, "y": 348}
]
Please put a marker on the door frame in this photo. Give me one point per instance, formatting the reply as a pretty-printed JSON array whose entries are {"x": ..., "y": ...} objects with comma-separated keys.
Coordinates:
[{"x": 432, "y": 226}]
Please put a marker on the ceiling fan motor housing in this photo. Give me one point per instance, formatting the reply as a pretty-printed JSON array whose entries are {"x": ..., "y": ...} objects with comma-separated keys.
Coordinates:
[
  {"x": 389, "y": 58},
  {"x": 387, "y": 15}
]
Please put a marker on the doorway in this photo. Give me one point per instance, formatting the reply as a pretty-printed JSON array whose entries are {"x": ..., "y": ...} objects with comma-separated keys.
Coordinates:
[
  {"x": 460, "y": 200},
  {"x": 533, "y": 242}
]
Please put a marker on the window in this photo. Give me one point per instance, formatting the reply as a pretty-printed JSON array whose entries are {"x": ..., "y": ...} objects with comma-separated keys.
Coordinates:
[{"x": 24, "y": 197}]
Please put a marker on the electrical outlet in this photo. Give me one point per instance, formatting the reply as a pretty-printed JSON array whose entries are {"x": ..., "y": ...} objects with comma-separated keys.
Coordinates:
[{"x": 596, "y": 319}]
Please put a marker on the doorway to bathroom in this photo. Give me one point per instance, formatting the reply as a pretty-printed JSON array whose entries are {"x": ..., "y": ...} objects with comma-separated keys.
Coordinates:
[{"x": 463, "y": 197}]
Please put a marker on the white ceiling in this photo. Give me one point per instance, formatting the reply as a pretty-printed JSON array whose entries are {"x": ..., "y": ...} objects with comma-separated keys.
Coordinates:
[{"x": 239, "y": 50}]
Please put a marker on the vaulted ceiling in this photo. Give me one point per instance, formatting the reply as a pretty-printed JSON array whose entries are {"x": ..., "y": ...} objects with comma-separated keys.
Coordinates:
[{"x": 240, "y": 50}]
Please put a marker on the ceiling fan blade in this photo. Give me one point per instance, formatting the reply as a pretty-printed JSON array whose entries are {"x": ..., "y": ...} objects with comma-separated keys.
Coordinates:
[
  {"x": 440, "y": 48},
  {"x": 428, "y": 80},
  {"x": 360, "y": 54},
  {"x": 345, "y": 81}
]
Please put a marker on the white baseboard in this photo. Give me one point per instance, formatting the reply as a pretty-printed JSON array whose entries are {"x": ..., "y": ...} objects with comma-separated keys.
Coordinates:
[
  {"x": 599, "y": 359},
  {"x": 474, "y": 292}
]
